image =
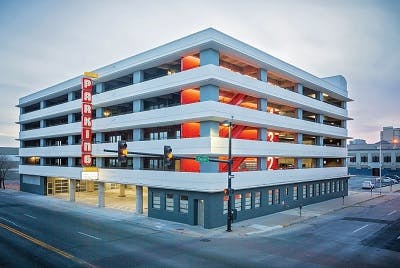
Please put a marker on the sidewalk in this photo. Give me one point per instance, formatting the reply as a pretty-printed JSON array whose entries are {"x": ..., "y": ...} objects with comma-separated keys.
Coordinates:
[{"x": 256, "y": 226}]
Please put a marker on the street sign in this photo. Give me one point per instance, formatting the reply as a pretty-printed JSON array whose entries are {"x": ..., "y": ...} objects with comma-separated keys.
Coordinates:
[{"x": 202, "y": 158}]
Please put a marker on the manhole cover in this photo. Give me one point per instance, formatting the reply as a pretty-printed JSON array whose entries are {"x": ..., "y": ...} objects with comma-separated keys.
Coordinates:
[{"x": 180, "y": 229}]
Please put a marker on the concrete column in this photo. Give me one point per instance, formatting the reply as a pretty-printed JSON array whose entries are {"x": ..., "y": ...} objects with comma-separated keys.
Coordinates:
[
  {"x": 42, "y": 124},
  {"x": 70, "y": 161},
  {"x": 121, "y": 190},
  {"x": 299, "y": 163},
  {"x": 369, "y": 158},
  {"x": 138, "y": 77},
  {"x": 319, "y": 96},
  {"x": 209, "y": 129},
  {"x": 70, "y": 140},
  {"x": 299, "y": 89},
  {"x": 71, "y": 96},
  {"x": 320, "y": 162},
  {"x": 72, "y": 190},
  {"x": 299, "y": 113},
  {"x": 137, "y": 106},
  {"x": 99, "y": 162},
  {"x": 320, "y": 140},
  {"x": 99, "y": 112},
  {"x": 70, "y": 118},
  {"x": 42, "y": 143},
  {"x": 42, "y": 104},
  {"x": 137, "y": 161},
  {"x": 299, "y": 138},
  {"x": 209, "y": 92},
  {"x": 262, "y": 104},
  {"x": 209, "y": 56},
  {"x": 262, "y": 161},
  {"x": 101, "y": 195},
  {"x": 320, "y": 118},
  {"x": 262, "y": 75},
  {"x": 139, "y": 199},
  {"x": 99, "y": 88},
  {"x": 344, "y": 124}
]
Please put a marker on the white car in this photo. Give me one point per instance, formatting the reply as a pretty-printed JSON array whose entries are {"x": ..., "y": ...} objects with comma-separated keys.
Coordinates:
[{"x": 367, "y": 185}]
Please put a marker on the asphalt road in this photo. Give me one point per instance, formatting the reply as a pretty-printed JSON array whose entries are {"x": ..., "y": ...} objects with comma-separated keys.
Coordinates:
[{"x": 365, "y": 235}]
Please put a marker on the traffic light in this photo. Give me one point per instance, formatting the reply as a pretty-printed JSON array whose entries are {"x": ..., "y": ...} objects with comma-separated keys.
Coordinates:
[
  {"x": 122, "y": 152},
  {"x": 167, "y": 155}
]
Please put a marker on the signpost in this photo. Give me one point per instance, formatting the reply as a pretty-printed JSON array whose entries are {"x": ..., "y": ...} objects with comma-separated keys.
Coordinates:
[{"x": 202, "y": 158}]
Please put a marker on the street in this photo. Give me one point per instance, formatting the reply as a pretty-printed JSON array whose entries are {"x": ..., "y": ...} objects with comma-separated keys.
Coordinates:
[{"x": 65, "y": 235}]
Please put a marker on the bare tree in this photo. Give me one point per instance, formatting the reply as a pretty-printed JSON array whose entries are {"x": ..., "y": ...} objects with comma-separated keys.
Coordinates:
[{"x": 5, "y": 165}]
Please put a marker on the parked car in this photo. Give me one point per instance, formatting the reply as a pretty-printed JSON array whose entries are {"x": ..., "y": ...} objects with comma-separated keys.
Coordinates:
[
  {"x": 368, "y": 185},
  {"x": 395, "y": 177},
  {"x": 387, "y": 180}
]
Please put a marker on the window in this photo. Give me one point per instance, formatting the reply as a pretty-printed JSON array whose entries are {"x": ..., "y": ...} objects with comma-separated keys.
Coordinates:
[
  {"x": 311, "y": 187},
  {"x": 333, "y": 187},
  {"x": 269, "y": 197},
  {"x": 226, "y": 198},
  {"x": 337, "y": 186},
  {"x": 169, "y": 202},
  {"x": 287, "y": 191},
  {"x": 156, "y": 201},
  {"x": 328, "y": 187},
  {"x": 323, "y": 188},
  {"x": 238, "y": 202},
  {"x": 364, "y": 159},
  {"x": 342, "y": 186},
  {"x": 375, "y": 158},
  {"x": 317, "y": 187},
  {"x": 277, "y": 199},
  {"x": 295, "y": 193},
  {"x": 257, "y": 199},
  {"x": 304, "y": 191},
  {"x": 247, "y": 201},
  {"x": 398, "y": 158},
  {"x": 184, "y": 204},
  {"x": 387, "y": 158},
  {"x": 352, "y": 159}
]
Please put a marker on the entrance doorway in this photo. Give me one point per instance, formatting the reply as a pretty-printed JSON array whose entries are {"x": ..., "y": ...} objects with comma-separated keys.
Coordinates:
[
  {"x": 375, "y": 172},
  {"x": 199, "y": 212}
]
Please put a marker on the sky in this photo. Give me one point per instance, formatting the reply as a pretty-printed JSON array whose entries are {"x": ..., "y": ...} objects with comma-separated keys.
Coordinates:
[{"x": 45, "y": 42}]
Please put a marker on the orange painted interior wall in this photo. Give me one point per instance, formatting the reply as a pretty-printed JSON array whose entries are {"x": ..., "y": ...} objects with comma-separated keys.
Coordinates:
[
  {"x": 190, "y": 96},
  {"x": 189, "y": 62},
  {"x": 189, "y": 165},
  {"x": 190, "y": 130},
  {"x": 248, "y": 134}
]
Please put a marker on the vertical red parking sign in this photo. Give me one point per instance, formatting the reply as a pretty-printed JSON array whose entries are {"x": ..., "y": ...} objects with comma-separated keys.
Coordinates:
[{"x": 86, "y": 110}]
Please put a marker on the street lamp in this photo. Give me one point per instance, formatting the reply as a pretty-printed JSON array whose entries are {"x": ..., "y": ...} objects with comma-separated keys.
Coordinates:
[{"x": 229, "y": 215}]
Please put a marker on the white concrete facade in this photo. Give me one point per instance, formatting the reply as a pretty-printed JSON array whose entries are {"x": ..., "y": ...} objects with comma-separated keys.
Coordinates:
[{"x": 239, "y": 55}]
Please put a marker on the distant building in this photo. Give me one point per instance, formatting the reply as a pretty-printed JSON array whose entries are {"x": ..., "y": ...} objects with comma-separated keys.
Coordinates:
[
  {"x": 364, "y": 159},
  {"x": 390, "y": 134}
]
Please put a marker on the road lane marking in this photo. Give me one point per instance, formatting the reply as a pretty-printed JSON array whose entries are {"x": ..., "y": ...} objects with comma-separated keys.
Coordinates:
[
  {"x": 88, "y": 235},
  {"x": 13, "y": 223},
  {"x": 360, "y": 228},
  {"x": 47, "y": 246},
  {"x": 30, "y": 216},
  {"x": 394, "y": 211}
]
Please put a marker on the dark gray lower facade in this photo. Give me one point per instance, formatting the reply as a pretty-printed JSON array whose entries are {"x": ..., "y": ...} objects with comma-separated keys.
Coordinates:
[
  {"x": 210, "y": 209},
  {"x": 33, "y": 184}
]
